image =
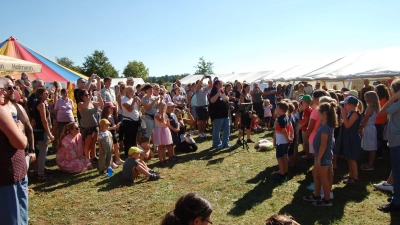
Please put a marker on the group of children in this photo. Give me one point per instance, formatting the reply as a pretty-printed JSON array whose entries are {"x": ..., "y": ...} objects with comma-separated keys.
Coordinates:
[{"x": 327, "y": 129}]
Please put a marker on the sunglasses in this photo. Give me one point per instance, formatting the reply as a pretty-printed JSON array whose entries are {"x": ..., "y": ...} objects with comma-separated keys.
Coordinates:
[
  {"x": 86, "y": 95},
  {"x": 11, "y": 87}
]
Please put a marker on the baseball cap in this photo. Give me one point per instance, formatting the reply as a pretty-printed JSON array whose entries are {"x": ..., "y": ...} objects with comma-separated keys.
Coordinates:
[
  {"x": 306, "y": 97},
  {"x": 350, "y": 100},
  {"x": 134, "y": 150},
  {"x": 353, "y": 93},
  {"x": 129, "y": 79},
  {"x": 109, "y": 104},
  {"x": 169, "y": 104}
]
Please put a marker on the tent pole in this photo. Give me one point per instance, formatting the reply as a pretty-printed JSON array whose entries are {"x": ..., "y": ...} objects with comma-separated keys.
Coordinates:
[
  {"x": 291, "y": 90},
  {"x": 344, "y": 85},
  {"x": 348, "y": 84}
]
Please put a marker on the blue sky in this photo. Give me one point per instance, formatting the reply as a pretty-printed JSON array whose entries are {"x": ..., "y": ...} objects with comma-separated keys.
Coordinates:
[{"x": 170, "y": 36}]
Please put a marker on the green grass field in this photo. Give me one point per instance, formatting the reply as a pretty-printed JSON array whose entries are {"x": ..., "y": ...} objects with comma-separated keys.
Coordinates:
[{"x": 238, "y": 184}]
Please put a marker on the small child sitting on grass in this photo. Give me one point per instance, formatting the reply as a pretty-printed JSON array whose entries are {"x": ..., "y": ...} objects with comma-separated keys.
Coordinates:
[
  {"x": 255, "y": 127},
  {"x": 133, "y": 166},
  {"x": 144, "y": 146}
]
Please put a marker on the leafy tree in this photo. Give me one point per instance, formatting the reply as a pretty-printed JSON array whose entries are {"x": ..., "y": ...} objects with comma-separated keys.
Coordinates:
[
  {"x": 66, "y": 62},
  {"x": 98, "y": 63},
  {"x": 204, "y": 67},
  {"x": 136, "y": 69},
  {"x": 160, "y": 81}
]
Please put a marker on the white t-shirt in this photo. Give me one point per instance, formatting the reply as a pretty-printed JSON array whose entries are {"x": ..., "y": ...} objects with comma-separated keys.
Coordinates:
[{"x": 134, "y": 114}]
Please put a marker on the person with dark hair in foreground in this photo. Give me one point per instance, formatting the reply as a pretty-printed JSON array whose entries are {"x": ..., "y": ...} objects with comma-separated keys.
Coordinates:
[{"x": 191, "y": 208}]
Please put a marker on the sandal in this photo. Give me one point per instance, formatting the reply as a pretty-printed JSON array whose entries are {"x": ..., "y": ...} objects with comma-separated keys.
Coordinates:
[
  {"x": 323, "y": 202},
  {"x": 350, "y": 180},
  {"x": 312, "y": 198},
  {"x": 367, "y": 167},
  {"x": 45, "y": 177}
]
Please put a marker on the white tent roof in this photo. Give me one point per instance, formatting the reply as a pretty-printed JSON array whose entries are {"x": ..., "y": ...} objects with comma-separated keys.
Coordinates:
[
  {"x": 10, "y": 65},
  {"x": 136, "y": 80},
  {"x": 378, "y": 63}
]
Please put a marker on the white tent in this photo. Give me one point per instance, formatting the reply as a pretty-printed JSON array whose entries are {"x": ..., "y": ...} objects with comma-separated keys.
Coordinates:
[{"x": 136, "y": 81}]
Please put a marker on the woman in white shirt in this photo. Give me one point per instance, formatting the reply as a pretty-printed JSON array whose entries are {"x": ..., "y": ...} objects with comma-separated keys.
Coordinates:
[{"x": 130, "y": 118}]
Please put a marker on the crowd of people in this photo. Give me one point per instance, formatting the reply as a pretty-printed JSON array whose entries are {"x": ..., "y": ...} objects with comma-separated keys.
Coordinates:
[{"x": 145, "y": 120}]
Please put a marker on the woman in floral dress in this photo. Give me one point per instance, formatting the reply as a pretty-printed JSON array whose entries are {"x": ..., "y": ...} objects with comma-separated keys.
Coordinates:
[{"x": 70, "y": 156}]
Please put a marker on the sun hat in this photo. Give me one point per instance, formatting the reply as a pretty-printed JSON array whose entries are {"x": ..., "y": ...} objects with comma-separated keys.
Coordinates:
[
  {"x": 350, "y": 100},
  {"x": 134, "y": 150},
  {"x": 169, "y": 104},
  {"x": 109, "y": 104},
  {"x": 129, "y": 79}
]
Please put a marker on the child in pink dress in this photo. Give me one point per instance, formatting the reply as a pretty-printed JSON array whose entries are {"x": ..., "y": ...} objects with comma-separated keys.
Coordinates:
[
  {"x": 70, "y": 156},
  {"x": 162, "y": 135}
]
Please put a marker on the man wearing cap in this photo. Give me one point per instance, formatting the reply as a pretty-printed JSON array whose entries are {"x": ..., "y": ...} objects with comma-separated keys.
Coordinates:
[
  {"x": 130, "y": 81},
  {"x": 107, "y": 94},
  {"x": 270, "y": 94},
  {"x": 364, "y": 90},
  {"x": 201, "y": 101}
]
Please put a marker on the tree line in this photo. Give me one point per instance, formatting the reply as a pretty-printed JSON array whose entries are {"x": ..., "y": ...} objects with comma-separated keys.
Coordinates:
[{"x": 99, "y": 64}]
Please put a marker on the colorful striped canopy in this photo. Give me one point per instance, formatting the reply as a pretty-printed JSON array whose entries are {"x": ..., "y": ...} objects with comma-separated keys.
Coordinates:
[{"x": 51, "y": 71}]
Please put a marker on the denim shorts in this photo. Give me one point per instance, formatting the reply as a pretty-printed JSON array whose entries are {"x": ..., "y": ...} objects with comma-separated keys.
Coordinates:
[
  {"x": 282, "y": 150},
  {"x": 324, "y": 162}
]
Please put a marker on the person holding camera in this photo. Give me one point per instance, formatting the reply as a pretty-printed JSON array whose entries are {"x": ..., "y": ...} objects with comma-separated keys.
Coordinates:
[
  {"x": 201, "y": 101},
  {"x": 219, "y": 113},
  {"x": 246, "y": 114}
]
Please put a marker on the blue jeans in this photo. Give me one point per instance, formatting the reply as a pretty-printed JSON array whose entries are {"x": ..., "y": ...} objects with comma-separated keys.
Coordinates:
[
  {"x": 14, "y": 203},
  {"x": 218, "y": 125},
  {"x": 395, "y": 158}
]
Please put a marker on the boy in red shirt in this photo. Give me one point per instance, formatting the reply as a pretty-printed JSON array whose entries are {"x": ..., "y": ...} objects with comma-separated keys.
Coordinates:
[{"x": 305, "y": 104}]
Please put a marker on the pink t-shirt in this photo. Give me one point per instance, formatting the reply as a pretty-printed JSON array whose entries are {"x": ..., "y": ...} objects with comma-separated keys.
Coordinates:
[{"x": 314, "y": 116}]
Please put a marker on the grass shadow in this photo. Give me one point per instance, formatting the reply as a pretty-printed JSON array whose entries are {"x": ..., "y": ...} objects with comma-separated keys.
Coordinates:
[{"x": 261, "y": 192}]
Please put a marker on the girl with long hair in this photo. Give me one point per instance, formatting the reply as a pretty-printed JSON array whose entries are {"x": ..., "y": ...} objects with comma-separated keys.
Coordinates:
[
  {"x": 245, "y": 120},
  {"x": 70, "y": 156},
  {"x": 368, "y": 129},
  {"x": 323, "y": 146}
]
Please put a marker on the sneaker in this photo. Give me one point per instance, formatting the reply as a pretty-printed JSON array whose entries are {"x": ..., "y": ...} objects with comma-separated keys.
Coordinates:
[
  {"x": 120, "y": 162},
  {"x": 239, "y": 142},
  {"x": 201, "y": 135},
  {"x": 279, "y": 177},
  {"x": 330, "y": 195},
  {"x": 250, "y": 141},
  {"x": 153, "y": 171},
  {"x": 114, "y": 166},
  {"x": 204, "y": 134},
  {"x": 367, "y": 167},
  {"x": 228, "y": 146},
  {"x": 195, "y": 132},
  {"x": 391, "y": 207},
  {"x": 153, "y": 177},
  {"x": 384, "y": 186}
]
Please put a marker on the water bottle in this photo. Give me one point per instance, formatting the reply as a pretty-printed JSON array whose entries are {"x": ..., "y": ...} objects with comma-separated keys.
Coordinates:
[
  {"x": 109, "y": 171},
  {"x": 15, "y": 116}
]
